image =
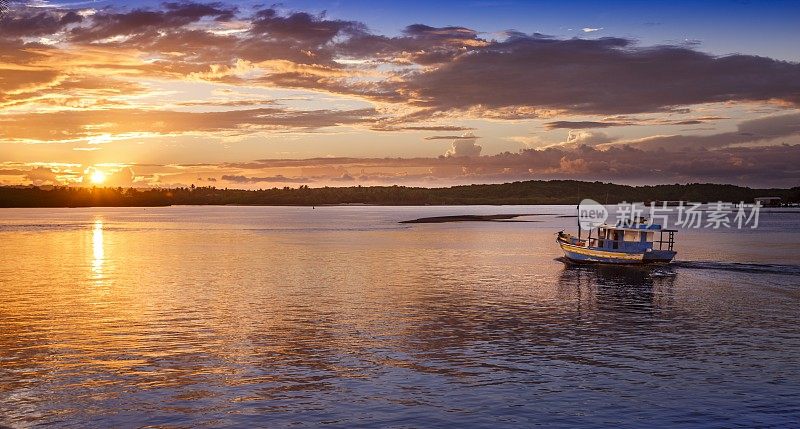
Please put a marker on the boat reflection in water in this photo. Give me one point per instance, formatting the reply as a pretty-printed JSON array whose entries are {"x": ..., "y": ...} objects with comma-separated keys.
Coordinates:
[{"x": 621, "y": 287}]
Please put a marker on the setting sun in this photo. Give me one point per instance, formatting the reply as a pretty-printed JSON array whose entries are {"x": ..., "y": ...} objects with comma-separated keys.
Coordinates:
[{"x": 98, "y": 177}]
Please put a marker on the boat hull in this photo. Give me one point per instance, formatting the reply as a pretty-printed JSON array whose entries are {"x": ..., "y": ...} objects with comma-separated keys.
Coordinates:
[
  {"x": 659, "y": 256},
  {"x": 583, "y": 254}
]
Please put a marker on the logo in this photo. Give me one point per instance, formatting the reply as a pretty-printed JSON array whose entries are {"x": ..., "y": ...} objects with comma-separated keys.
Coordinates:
[
  {"x": 591, "y": 214},
  {"x": 3, "y": 9}
]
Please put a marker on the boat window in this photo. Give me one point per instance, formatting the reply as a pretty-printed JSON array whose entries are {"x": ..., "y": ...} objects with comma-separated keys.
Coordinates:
[{"x": 631, "y": 235}]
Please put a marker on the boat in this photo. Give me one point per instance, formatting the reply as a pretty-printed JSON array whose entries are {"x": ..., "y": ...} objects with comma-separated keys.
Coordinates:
[{"x": 627, "y": 242}]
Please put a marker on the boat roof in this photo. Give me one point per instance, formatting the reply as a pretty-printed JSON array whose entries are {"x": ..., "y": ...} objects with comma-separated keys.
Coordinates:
[{"x": 641, "y": 228}]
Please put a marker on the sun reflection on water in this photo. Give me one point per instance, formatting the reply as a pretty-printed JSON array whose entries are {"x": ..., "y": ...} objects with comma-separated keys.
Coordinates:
[{"x": 98, "y": 253}]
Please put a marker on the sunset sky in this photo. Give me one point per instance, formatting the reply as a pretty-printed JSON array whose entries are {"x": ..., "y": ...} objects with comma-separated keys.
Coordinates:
[{"x": 247, "y": 95}]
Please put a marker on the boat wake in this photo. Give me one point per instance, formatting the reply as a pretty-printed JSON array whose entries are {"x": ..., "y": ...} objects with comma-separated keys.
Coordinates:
[
  {"x": 671, "y": 269},
  {"x": 739, "y": 267}
]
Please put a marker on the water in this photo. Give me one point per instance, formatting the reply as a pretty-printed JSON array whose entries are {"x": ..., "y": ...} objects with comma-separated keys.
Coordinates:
[{"x": 342, "y": 317}]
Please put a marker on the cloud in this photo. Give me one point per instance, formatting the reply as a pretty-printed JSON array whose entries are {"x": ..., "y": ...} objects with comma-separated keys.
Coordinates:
[
  {"x": 602, "y": 76},
  {"x": 74, "y": 124},
  {"x": 420, "y": 44},
  {"x": 421, "y": 128},
  {"x": 749, "y": 131},
  {"x": 344, "y": 178},
  {"x": 422, "y": 31},
  {"x": 576, "y": 138},
  {"x": 590, "y": 29},
  {"x": 575, "y": 125},
  {"x": 12, "y": 172},
  {"x": 272, "y": 179},
  {"x": 107, "y": 24},
  {"x": 430, "y": 70},
  {"x": 42, "y": 176},
  {"x": 468, "y": 136},
  {"x": 227, "y": 103},
  {"x": 36, "y": 22},
  {"x": 123, "y": 177},
  {"x": 67, "y": 76},
  {"x": 464, "y": 146},
  {"x": 302, "y": 28},
  {"x": 751, "y": 166},
  {"x": 765, "y": 166}
]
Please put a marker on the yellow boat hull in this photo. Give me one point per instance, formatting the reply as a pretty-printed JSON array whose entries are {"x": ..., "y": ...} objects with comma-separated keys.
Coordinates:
[{"x": 586, "y": 254}]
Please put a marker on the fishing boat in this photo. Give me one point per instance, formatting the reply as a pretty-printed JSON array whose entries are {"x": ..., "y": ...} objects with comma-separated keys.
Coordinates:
[{"x": 627, "y": 242}]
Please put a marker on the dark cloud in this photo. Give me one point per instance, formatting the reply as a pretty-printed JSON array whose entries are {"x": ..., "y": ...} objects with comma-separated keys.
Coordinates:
[
  {"x": 602, "y": 76},
  {"x": 73, "y": 124},
  {"x": 512, "y": 78},
  {"x": 302, "y": 28},
  {"x": 35, "y": 22},
  {"x": 621, "y": 120},
  {"x": 272, "y": 179},
  {"x": 105, "y": 24},
  {"x": 764, "y": 166},
  {"x": 577, "y": 125},
  {"x": 227, "y": 103},
  {"x": 462, "y": 137},
  {"x": 419, "y": 44},
  {"x": 422, "y": 128},
  {"x": 192, "y": 11},
  {"x": 750, "y": 131},
  {"x": 422, "y": 31},
  {"x": 710, "y": 118}
]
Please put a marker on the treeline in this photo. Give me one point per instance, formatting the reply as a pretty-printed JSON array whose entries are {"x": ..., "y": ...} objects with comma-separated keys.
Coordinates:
[{"x": 529, "y": 192}]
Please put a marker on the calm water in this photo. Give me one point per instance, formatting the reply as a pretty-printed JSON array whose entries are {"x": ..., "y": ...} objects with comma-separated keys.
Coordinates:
[{"x": 340, "y": 316}]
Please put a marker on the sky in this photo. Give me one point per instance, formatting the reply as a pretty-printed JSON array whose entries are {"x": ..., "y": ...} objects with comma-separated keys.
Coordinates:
[{"x": 253, "y": 95}]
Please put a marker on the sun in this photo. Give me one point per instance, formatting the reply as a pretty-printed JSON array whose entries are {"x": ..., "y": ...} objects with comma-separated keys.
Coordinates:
[{"x": 98, "y": 177}]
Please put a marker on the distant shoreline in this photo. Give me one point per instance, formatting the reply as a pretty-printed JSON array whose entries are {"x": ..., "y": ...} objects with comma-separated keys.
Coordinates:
[
  {"x": 534, "y": 192},
  {"x": 476, "y": 218}
]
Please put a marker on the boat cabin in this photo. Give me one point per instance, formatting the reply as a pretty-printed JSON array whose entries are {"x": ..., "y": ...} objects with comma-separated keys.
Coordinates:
[{"x": 635, "y": 238}]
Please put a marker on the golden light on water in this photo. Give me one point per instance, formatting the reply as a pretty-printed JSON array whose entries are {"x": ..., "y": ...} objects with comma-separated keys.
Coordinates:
[{"x": 98, "y": 254}]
